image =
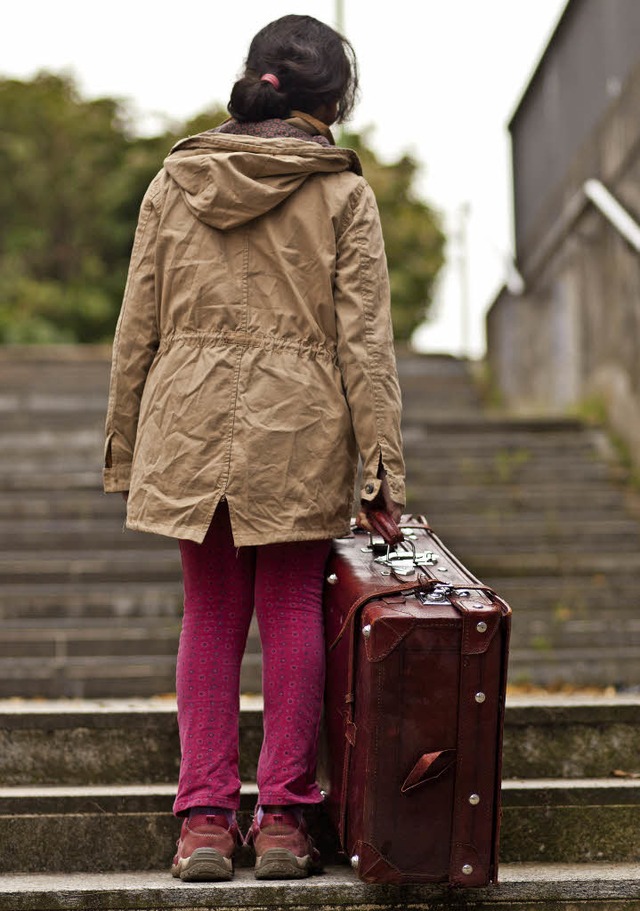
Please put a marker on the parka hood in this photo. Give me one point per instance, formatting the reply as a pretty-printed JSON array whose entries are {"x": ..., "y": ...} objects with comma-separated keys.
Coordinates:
[{"x": 228, "y": 180}]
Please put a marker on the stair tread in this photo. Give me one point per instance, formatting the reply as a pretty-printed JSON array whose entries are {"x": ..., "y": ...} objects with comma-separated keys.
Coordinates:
[
  {"x": 604, "y": 788},
  {"x": 543, "y": 708},
  {"x": 338, "y": 887}
]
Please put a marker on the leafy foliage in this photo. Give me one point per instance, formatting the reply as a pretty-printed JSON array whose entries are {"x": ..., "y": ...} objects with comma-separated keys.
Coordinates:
[
  {"x": 74, "y": 173},
  {"x": 413, "y": 235}
]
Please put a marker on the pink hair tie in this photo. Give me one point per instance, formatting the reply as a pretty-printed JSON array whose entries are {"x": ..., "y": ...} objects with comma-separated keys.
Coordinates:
[{"x": 269, "y": 77}]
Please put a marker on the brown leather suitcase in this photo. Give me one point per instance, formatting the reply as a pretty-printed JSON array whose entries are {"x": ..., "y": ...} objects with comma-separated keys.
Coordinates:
[{"x": 416, "y": 676}]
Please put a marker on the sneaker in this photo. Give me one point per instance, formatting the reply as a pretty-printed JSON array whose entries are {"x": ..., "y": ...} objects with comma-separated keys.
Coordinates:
[
  {"x": 283, "y": 847},
  {"x": 205, "y": 849}
]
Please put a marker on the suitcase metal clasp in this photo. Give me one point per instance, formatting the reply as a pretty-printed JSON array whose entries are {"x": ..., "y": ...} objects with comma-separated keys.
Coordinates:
[
  {"x": 404, "y": 560},
  {"x": 439, "y": 594}
]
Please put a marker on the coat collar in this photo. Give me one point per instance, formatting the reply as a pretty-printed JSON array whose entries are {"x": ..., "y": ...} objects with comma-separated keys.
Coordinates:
[{"x": 310, "y": 125}]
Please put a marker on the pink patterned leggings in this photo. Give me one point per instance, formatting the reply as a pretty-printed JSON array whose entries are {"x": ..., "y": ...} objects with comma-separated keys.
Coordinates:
[{"x": 222, "y": 584}]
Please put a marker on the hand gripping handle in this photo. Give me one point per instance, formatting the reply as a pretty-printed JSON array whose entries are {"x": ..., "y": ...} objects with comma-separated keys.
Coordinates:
[{"x": 382, "y": 524}]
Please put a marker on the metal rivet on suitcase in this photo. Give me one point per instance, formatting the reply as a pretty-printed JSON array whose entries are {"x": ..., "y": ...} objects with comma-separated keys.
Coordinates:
[
  {"x": 366, "y": 631},
  {"x": 467, "y": 869},
  {"x": 332, "y": 579},
  {"x": 480, "y": 697},
  {"x": 355, "y": 860},
  {"x": 464, "y": 593},
  {"x": 474, "y": 799},
  {"x": 482, "y": 627}
]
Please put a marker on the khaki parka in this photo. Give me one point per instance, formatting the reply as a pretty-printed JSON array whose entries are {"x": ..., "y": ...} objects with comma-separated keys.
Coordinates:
[{"x": 253, "y": 356}]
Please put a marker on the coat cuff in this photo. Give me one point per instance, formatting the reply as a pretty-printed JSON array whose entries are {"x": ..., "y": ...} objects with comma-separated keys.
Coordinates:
[
  {"x": 370, "y": 489},
  {"x": 116, "y": 479},
  {"x": 397, "y": 490}
]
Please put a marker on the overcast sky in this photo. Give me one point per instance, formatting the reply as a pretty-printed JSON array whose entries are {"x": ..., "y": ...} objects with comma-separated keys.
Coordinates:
[{"x": 439, "y": 78}]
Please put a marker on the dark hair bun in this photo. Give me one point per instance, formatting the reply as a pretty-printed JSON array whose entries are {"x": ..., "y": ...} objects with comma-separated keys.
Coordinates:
[
  {"x": 314, "y": 64},
  {"x": 255, "y": 99}
]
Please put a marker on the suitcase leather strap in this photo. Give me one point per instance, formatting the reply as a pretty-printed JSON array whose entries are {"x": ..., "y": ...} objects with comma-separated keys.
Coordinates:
[{"x": 473, "y": 816}]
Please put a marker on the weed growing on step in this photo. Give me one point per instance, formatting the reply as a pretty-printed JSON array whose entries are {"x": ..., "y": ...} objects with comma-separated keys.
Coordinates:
[{"x": 508, "y": 461}]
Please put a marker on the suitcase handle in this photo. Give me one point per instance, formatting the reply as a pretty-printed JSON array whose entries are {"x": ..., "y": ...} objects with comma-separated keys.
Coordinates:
[{"x": 383, "y": 525}]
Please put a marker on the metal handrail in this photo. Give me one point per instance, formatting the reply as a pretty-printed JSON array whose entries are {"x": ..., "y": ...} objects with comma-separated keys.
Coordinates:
[
  {"x": 592, "y": 191},
  {"x": 613, "y": 211}
]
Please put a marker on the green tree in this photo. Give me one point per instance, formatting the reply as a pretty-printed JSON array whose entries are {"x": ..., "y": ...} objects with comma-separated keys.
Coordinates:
[
  {"x": 414, "y": 239},
  {"x": 73, "y": 175},
  {"x": 60, "y": 238}
]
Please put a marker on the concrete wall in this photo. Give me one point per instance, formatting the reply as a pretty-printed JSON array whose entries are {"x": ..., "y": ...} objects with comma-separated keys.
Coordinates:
[
  {"x": 574, "y": 334},
  {"x": 587, "y": 61}
]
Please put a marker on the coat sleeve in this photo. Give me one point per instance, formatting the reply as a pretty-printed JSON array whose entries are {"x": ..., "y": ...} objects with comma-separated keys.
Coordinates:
[
  {"x": 134, "y": 347},
  {"x": 366, "y": 353}
]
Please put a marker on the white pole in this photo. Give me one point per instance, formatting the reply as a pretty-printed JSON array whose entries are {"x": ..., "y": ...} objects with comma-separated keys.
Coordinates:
[{"x": 463, "y": 265}]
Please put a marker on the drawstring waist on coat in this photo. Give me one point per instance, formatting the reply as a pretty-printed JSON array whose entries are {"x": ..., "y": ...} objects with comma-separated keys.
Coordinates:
[{"x": 243, "y": 339}]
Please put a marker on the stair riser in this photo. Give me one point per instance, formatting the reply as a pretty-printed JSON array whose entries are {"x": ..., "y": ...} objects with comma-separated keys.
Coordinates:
[
  {"x": 149, "y": 675},
  {"x": 73, "y": 749},
  {"x": 552, "y": 602},
  {"x": 553, "y": 669},
  {"x": 163, "y": 565},
  {"x": 135, "y": 841},
  {"x": 493, "y": 543},
  {"x": 94, "y": 678},
  {"x": 537, "y": 635},
  {"x": 101, "y": 601}
]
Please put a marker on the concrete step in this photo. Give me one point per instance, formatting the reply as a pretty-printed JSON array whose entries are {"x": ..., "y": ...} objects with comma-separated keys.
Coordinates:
[
  {"x": 124, "y": 741},
  {"x": 84, "y": 439},
  {"x": 153, "y": 565},
  {"x": 50, "y": 413},
  {"x": 127, "y": 827},
  {"x": 492, "y": 469},
  {"x": 104, "y": 676},
  {"x": 552, "y": 543},
  {"x": 63, "y": 638},
  {"x": 576, "y": 638},
  {"x": 497, "y": 474},
  {"x": 533, "y": 533},
  {"x": 600, "y": 665},
  {"x": 483, "y": 423},
  {"x": 54, "y": 366},
  {"x": 541, "y": 651},
  {"x": 89, "y": 478},
  {"x": 515, "y": 499},
  {"x": 88, "y": 677},
  {"x": 84, "y": 534},
  {"x": 64, "y": 635},
  {"x": 457, "y": 503},
  {"x": 38, "y": 439},
  {"x": 92, "y": 601},
  {"x": 485, "y": 433},
  {"x": 538, "y": 631},
  {"x": 587, "y": 564},
  {"x": 571, "y": 595},
  {"x": 523, "y": 887},
  {"x": 114, "y": 741},
  {"x": 163, "y": 564}
]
